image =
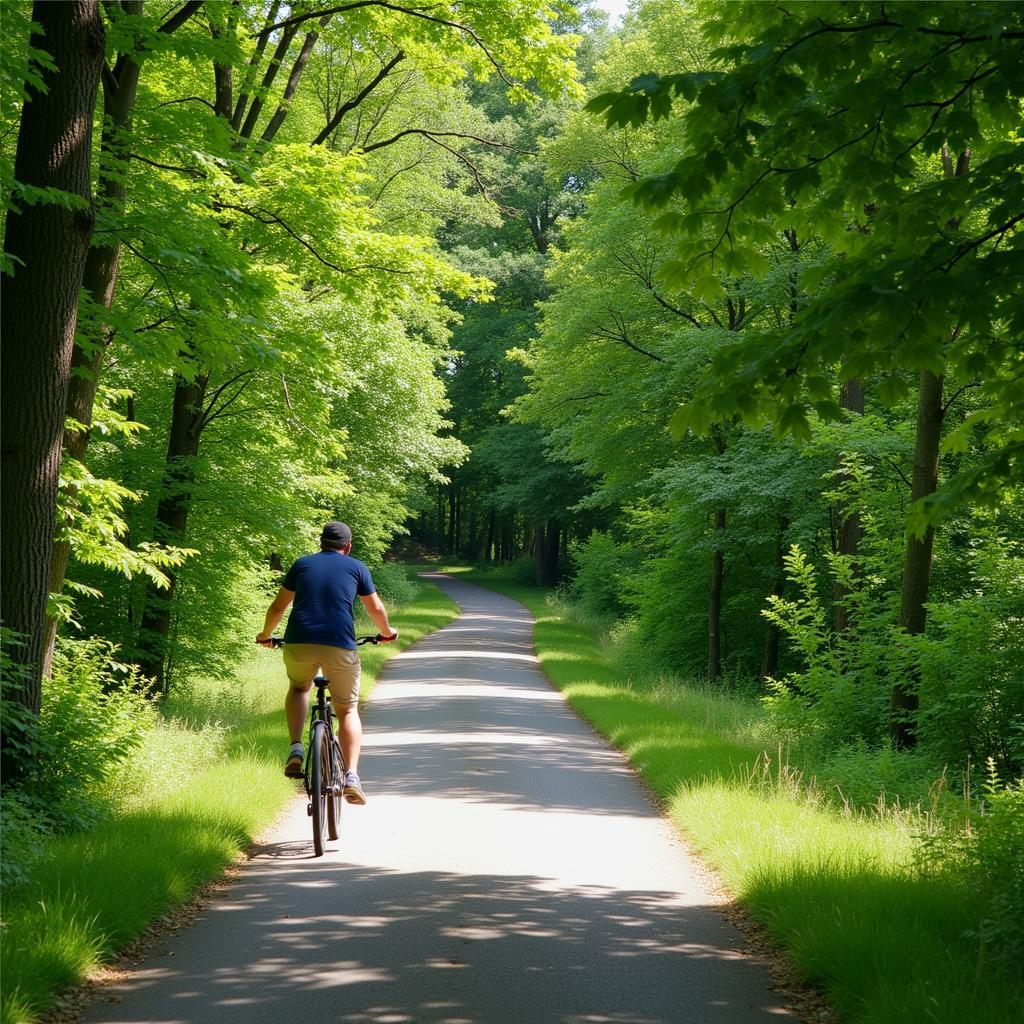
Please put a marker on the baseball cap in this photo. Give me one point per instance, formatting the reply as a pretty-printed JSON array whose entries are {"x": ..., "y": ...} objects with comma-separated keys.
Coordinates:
[{"x": 336, "y": 534}]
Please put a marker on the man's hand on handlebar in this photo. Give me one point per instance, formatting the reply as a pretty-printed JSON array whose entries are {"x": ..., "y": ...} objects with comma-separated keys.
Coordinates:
[{"x": 388, "y": 639}]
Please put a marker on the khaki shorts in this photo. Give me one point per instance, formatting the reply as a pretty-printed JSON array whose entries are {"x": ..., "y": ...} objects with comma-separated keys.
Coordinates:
[{"x": 341, "y": 666}]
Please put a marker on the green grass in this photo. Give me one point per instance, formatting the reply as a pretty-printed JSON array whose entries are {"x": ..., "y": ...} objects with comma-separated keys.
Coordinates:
[
  {"x": 207, "y": 781},
  {"x": 836, "y": 887}
]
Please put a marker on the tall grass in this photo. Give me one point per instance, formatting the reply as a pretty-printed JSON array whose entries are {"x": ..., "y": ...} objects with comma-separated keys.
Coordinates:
[
  {"x": 834, "y": 878},
  {"x": 205, "y": 783}
]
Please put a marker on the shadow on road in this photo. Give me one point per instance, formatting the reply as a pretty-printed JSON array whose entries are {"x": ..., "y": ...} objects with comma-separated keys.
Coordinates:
[{"x": 431, "y": 948}]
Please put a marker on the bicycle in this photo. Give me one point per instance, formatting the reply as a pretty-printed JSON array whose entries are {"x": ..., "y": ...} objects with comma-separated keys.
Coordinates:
[{"x": 323, "y": 774}]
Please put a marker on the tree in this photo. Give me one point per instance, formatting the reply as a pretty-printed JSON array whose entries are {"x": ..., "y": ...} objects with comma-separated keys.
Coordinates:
[
  {"x": 926, "y": 263},
  {"x": 52, "y": 215},
  {"x": 139, "y": 37}
]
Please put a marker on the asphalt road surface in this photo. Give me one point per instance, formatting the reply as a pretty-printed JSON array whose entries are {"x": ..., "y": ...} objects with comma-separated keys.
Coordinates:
[{"x": 507, "y": 869}]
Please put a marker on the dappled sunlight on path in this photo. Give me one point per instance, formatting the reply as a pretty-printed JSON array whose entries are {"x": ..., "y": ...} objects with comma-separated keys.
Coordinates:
[{"x": 507, "y": 868}]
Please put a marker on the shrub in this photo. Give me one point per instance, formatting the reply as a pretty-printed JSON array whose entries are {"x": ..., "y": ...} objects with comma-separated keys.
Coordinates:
[
  {"x": 602, "y": 564},
  {"x": 522, "y": 572},
  {"x": 985, "y": 855},
  {"x": 90, "y": 721},
  {"x": 972, "y": 663},
  {"x": 393, "y": 584},
  {"x": 841, "y": 694},
  {"x": 20, "y": 838}
]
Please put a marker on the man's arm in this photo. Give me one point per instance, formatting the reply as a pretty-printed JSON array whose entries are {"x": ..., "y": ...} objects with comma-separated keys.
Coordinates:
[
  {"x": 376, "y": 610},
  {"x": 277, "y": 608}
]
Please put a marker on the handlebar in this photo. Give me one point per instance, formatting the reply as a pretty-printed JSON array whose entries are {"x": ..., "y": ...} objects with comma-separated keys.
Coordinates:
[{"x": 275, "y": 641}]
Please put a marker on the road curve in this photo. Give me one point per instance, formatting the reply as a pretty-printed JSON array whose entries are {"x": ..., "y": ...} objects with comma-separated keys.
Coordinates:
[{"x": 508, "y": 869}]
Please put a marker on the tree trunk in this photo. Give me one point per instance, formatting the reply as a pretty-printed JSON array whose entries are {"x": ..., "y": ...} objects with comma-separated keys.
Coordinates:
[
  {"x": 49, "y": 245},
  {"x": 539, "y": 552},
  {"x": 452, "y": 519},
  {"x": 172, "y": 520},
  {"x": 554, "y": 534},
  {"x": 717, "y": 576},
  {"x": 439, "y": 532},
  {"x": 770, "y": 659},
  {"x": 99, "y": 281},
  {"x": 851, "y": 398},
  {"x": 473, "y": 540},
  {"x": 917, "y": 562},
  {"x": 715, "y": 601},
  {"x": 489, "y": 544}
]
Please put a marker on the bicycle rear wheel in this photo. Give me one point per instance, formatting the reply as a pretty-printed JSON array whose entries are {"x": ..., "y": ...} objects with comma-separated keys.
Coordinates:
[
  {"x": 337, "y": 782},
  {"x": 319, "y": 783}
]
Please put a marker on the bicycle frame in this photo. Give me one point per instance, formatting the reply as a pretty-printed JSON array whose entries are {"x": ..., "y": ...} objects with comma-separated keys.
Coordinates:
[
  {"x": 320, "y": 710},
  {"x": 323, "y": 773}
]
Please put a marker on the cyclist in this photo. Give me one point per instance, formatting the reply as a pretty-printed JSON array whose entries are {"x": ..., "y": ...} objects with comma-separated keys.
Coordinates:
[{"x": 321, "y": 636}]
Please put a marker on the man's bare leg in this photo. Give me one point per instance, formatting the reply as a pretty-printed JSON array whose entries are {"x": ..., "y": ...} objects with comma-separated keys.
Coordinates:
[
  {"x": 350, "y": 736},
  {"x": 296, "y": 708}
]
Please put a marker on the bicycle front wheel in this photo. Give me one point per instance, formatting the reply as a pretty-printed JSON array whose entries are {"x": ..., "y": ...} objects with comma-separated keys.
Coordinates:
[
  {"x": 337, "y": 783},
  {"x": 319, "y": 784}
]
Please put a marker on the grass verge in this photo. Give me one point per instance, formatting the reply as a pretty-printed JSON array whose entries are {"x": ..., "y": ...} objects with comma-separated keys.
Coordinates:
[
  {"x": 838, "y": 890},
  {"x": 206, "y": 783}
]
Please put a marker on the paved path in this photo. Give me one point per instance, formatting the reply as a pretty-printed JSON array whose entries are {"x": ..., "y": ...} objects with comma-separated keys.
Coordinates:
[{"x": 507, "y": 869}]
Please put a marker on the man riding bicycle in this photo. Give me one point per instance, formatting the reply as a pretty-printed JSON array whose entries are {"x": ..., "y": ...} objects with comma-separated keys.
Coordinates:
[{"x": 320, "y": 636}]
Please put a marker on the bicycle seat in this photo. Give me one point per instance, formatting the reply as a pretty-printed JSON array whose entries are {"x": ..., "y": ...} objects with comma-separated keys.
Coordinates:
[{"x": 321, "y": 681}]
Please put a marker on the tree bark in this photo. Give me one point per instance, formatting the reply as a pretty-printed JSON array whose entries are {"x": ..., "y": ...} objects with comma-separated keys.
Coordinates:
[
  {"x": 717, "y": 576},
  {"x": 49, "y": 245},
  {"x": 917, "y": 562},
  {"x": 99, "y": 280},
  {"x": 715, "y": 601},
  {"x": 274, "y": 125},
  {"x": 770, "y": 658},
  {"x": 553, "y": 540},
  {"x": 489, "y": 543},
  {"x": 451, "y": 518},
  {"x": 172, "y": 520},
  {"x": 851, "y": 398}
]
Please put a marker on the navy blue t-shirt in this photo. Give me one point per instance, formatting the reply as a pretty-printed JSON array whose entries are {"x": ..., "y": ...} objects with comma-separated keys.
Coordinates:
[{"x": 325, "y": 586}]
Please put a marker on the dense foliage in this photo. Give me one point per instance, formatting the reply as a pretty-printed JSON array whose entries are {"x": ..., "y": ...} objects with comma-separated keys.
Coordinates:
[{"x": 714, "y": 317}]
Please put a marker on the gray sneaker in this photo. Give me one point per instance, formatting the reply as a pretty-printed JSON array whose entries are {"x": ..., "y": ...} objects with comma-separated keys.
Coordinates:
[
  {"x": 353, "y": 791},
  {"x": 293, "y": 766}
]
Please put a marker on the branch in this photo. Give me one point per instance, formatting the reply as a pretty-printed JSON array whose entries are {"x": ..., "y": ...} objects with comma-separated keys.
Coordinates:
[
  {"x": 963, "y": 250},
  {"x": 621, "y": 336},
  {"x": 645, "y": 278},
  {"x": 358, "y": 98},
  {"x": 834, "y": 29},
  {"x": 941, "y": 105},
  {"x": 956, "y": 394},
  {"x": 266, "y": 217},
  {"x": 152, "y": 326},
  {"x": 584, "y": 398},
  {"x": 387, "y": 183},
  {"x": 895, "y": 465},
  {"x": 177, "y": 20},
  {"x": 191, "y": 172},
  {"x": 292, "y": 85},
  {"x": 433, "y": 136},
  {"x": 250, "y": 71},
  {"x": 283, "y": 46},
  {"x": 160, "y": 271},
  {"x": 412, "y": 12},
  {"x": 210, "y": 413},
  {"x": 188, "y": 99}
]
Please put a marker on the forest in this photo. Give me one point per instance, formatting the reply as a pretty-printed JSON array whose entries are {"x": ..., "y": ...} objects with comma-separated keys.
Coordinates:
[{"x": 707, "y": 321}]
